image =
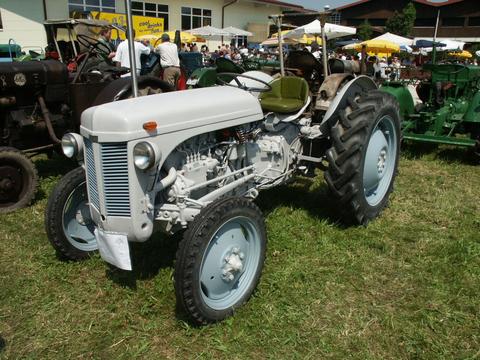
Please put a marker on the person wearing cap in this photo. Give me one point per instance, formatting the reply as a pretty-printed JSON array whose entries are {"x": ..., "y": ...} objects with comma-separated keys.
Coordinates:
[{"x": 169, "y": 60}]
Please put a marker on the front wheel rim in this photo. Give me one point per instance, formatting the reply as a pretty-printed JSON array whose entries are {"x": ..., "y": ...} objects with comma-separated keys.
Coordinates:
[
  {"x": 230, "y": 263},
  {"x": 77, "y": 224},
  {"x": 380, "y": 160}
]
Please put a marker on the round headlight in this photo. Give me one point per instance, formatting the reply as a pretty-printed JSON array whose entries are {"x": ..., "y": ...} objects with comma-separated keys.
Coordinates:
[
  {"x": 143, "y": 155},
  {"x": 69, "y": 145}
]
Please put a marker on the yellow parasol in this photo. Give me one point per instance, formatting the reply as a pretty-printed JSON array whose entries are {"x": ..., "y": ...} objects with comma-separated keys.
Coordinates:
[
  {"x": 274, "y": 41},
  {"x": 150, "y": 37},
  {"x": 378, "y": 46},
  {"x": 462, "y": 54},
  {"x": 185, "y": 37}
]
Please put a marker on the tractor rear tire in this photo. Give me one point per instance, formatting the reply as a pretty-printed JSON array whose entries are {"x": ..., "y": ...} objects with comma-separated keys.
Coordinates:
[
  {"x": 18, "y": 180},
  {"x": 363, "y": 159},
  {"x": 220, "y": 260}
]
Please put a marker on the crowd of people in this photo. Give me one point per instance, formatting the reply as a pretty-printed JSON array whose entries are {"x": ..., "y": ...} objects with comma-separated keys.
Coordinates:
[{"x": 379, "y": 67}]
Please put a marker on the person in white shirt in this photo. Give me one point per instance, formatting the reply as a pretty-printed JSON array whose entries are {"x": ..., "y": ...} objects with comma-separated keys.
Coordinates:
[
  {"x": 244, "y": 51},
  {"x": 383, "y": 68},
  {"x": 169, "y": 60},
  {"x": 122, "y": 57}
]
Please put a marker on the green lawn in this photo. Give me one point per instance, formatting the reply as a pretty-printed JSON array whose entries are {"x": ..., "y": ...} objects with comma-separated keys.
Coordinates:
[{"x": 405, "y": 286}]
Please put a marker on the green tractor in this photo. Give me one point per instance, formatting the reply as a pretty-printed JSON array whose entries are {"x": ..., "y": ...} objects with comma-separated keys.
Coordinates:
[
  {"x": 443, "y": 108},
  {"x": 208, "y": 76}
]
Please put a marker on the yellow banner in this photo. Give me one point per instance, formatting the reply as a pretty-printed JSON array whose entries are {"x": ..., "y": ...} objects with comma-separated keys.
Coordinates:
[{"x": 143, "y": 25}]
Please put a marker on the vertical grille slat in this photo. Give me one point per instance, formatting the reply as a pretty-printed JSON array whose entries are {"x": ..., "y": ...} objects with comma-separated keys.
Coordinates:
[
  {"x": 115, "y": 179},
  {"x": 91, "y": 175}
]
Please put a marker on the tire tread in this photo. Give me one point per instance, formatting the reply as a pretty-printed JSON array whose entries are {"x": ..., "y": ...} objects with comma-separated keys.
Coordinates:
[{"x": 348, "y": 136}]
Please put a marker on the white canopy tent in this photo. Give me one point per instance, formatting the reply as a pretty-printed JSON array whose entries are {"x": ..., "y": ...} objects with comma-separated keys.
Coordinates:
[
  {"x": 397, "y": 39},
  {"x": 208, "y": 31},
  {"x": 233, "y": 31},
  {"x": 314, "y": 28},
  {"x": 212, "y": 34},
  {"x": 236, "y": 32}
]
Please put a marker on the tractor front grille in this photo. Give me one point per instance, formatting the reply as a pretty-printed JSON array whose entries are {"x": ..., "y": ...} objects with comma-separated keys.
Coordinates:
[
  {"x": 91, "y": 175},
  {"x": 114, "y": 163}
]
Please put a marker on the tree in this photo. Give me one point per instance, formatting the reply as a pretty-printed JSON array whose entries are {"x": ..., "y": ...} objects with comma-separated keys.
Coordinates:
[
  {"x": 365, "y": 30},
  {"x": 402, "y": 23}
]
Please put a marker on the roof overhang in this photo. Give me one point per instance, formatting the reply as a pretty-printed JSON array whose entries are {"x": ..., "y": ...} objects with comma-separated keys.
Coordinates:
[
  {"x": 424, "y": 2},
  {"x": 282, "y": 4}
]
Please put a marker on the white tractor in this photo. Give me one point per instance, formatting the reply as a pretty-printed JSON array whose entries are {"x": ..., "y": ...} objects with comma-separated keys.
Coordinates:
[{"x": 193, "y": 162}]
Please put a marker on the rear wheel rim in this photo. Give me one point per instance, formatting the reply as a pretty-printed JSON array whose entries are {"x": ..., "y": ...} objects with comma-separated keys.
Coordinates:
[
  {"x": 16, "y": 179},
  {"x": 380, "y": 161},
  {"x": 11, "y": 184},
  {"x": 230, "y": 263},
  {"x": 77, "y": 224}
]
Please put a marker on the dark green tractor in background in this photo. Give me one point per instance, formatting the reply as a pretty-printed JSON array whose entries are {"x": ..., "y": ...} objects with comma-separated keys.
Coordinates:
[{"x": 443, "y": 108}]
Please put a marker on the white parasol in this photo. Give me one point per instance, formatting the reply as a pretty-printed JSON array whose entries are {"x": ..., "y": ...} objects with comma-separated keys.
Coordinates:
[
  {"x": 207, "y": 31},
  {"x": 397, "y": 39},
  {"x": 314, "y": 28},
  {"x": 233, "y": 31}
]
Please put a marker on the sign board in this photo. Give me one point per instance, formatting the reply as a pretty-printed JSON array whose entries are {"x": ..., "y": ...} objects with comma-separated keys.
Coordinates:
[{"x": 143, "y": 25}]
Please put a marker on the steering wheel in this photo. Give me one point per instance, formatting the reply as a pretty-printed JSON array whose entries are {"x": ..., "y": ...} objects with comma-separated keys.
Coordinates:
[
  {"x": 235, "y": 76},
  {"x": 156, "y": 42},
  {"x": 93, "y": 44}
]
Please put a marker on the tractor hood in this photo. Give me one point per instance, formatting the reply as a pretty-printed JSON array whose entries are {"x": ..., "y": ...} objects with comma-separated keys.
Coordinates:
[{"x": 180, "y": 111}]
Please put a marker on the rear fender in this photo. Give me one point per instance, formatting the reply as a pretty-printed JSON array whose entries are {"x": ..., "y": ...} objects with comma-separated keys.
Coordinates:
[
  {"x": 403, "y": 96},
  {"x": 355, "y": 86},
  {"x": 329, "y": 90},
  {"x": 203, "y": 77},
  {"x": 120, "y": 89}
]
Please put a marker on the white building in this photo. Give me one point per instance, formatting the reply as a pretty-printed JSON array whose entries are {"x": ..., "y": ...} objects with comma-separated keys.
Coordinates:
[{"x": 22, "y": 20}]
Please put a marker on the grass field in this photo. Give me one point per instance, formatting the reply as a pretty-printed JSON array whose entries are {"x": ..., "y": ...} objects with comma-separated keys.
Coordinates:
[{"x": 405, "y": 286}]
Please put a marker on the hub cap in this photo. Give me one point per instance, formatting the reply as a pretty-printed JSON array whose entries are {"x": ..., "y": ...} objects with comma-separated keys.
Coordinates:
[
  {"x": 380, "y": 161},
  {"x": 230, "y": 263},
  {"x": 11, "y": 184},
  {"x": 77, "y": 224}
]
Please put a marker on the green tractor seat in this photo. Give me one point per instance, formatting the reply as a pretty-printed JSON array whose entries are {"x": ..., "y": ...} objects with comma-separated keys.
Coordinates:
[{"x": 289, "y": 94}]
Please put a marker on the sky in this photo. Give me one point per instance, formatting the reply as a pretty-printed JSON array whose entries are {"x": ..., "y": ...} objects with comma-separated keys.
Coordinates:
[{"x": 319, "y": 4}]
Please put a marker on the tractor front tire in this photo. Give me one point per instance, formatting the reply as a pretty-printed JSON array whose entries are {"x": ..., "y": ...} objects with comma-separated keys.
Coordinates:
[
  {"x": 220, "y": 259},
  {"x": 363, "y": 159},
  {"x": 67, "y": 218},
  {"x": 18, "y": 180}
]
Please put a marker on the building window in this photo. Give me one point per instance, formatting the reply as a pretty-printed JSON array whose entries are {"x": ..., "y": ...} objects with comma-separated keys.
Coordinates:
[
  {"x": 91, "y": 5},
  {"x": 239, "y": 40},
  {"x": 335, "y": 18},
  {"x": 425, "y": 22},
  {"x": 194, "y": 18},
  {"x": 472, "y": 21},
  {"x": 453, "y": 21},
  {"x": 151, "y": 9},
  {"x": 1, "y": 24}
]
